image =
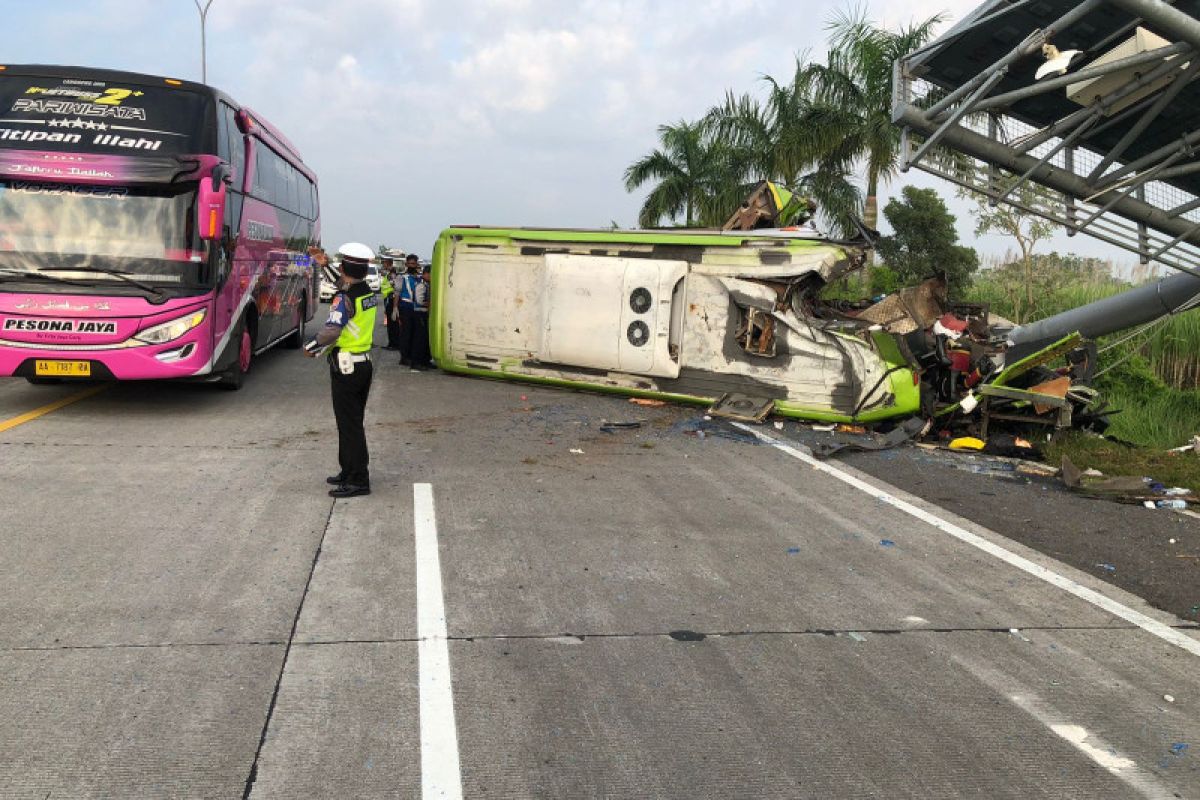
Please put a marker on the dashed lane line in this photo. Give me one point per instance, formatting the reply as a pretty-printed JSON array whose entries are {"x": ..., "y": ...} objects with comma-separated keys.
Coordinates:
[
  {"x": 1101, "y": 601},
  {"x": 9, "y": 424}
]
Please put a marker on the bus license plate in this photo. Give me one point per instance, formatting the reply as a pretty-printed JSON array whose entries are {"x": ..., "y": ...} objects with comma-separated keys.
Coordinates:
[{"x": 63, "y": 369}]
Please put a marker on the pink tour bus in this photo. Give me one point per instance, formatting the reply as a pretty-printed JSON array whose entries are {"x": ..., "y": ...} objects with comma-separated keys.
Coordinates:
[{"x": 149, "y": 228}]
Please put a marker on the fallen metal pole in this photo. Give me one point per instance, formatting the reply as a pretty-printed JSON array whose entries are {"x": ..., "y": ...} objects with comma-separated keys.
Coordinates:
[{"x": 1117, "y": 313}]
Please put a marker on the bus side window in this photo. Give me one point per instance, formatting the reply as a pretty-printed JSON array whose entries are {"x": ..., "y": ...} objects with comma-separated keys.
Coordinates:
[{"x": 237, "y": 147}]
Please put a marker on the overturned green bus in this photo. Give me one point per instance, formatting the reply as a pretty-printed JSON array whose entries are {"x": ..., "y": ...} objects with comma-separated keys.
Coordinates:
[{"x": 688, "y": 316}]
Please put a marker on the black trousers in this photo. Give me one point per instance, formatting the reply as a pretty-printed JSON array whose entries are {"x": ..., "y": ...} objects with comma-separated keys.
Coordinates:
[
  {"x": 349, "y": 405},
  {"x": 420, "y": 346},
  {"x": 408, "y": 333},
  {"x": 393, "y": 326}
]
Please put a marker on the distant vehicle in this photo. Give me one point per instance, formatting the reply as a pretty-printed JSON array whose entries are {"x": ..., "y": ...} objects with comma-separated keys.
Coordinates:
[
  {"x": 327, "y": 291},
  {"x": 149, "y": 228},
  {"x": 687, "y": 316},
  {"x": 329, "y": 281},
  {"x": 374, "y": 281}
]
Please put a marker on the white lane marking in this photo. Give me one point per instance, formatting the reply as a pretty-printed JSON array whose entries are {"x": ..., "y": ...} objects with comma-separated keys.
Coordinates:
[
  {"x": 1099, "y": 751},
  {"x": 1095, "y": 749},
  {"x": 441, "y": 775},
  {"x": 1148, "y": 624}
]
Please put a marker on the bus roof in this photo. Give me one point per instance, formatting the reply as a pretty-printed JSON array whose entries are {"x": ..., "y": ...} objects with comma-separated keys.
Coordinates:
[
  {"x": 273, "y": 134},
  {"x": 695, "y": 236}
]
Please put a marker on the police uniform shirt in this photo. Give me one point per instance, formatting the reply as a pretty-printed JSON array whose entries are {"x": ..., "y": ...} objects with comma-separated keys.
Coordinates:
[{"x": 340, "y": 312}]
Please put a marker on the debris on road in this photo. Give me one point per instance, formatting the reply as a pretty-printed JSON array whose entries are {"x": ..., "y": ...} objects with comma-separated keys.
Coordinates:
[
  {"x": 612, "y": 427},
  {"x": 897, "y": 436},
  {"x": 1123, "y": 489},
  {"x": 647, "y": 402},
  {"x": 742, "y": 408}
]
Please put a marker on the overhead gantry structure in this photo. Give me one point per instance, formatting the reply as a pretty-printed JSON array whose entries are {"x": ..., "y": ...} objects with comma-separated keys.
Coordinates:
[{"x": 1084, "y": 113}]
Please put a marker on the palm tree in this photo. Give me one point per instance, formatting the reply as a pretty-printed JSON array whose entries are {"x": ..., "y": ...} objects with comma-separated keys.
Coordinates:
[
  {"x": 853, "y": 91},
  {"x": 791, "y": 139},
  {"x": 693, "y": 171}
]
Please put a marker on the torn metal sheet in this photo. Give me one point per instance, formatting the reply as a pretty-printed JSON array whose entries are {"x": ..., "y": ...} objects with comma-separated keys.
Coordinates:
[{"x": 741, "y": 408}]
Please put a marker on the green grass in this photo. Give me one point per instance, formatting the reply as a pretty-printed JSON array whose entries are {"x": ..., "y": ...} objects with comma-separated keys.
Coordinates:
[{"x": 1087, "y": 451}]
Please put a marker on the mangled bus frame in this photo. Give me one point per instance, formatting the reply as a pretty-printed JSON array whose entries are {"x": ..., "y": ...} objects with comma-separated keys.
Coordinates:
[{"x": 688, "y": 316}]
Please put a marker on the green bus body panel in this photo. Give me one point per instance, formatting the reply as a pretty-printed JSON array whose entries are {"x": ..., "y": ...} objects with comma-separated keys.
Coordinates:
[{"x": 902, "y": 380}]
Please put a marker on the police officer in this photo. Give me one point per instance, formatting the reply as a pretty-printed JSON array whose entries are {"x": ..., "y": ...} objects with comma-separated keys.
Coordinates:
[
  {"x": 406, "y": 295},
  {"x": 347, "y": 334},
  {"x": 387, "y": 288}
]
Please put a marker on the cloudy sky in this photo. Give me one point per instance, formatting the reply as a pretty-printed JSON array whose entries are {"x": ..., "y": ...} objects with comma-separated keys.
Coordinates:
[{"x": 418, "y": 114}]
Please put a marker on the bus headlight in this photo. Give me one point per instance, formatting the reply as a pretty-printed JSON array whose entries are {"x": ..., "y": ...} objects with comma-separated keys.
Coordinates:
[{"x": 170, "y": 331}]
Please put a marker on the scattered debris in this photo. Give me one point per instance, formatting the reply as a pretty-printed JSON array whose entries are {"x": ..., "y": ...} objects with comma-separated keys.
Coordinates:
[
  {"x": 1121, "y": 489},
  {"x": 1017, "y": 633},
  {"x": 825, "y": 428},
  {"x": 886, "y": 543},
  {"x": 613, "y": 427},
  {"x": 967, "y": 443},
  {"x": 900, "y": 434},
  {"x": 793, "y": 551},
  {"x": 687, "y": 636},
  {"x": 1168, "y": 698},
  {"x": 858, "y": 637},
  {"x": 742, "y": 408},
  {"x": 576, "y": 451},
  {"x": 1192, "y": 446},
  {"x": 647, "y": 402},
  {"x": 779, "y": 425},
  {"x": 1179, "y": 748},
  {"x": 1107, "y": 567},
  {"x": 850, "y": 428}
]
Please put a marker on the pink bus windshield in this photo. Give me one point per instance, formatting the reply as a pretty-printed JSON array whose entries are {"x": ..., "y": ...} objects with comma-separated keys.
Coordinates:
[{"x": 145, "y": 233}]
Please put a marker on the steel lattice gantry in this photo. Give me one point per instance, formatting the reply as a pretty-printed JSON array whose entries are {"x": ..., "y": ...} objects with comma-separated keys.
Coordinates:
[{"x": 1108, "y": 148}]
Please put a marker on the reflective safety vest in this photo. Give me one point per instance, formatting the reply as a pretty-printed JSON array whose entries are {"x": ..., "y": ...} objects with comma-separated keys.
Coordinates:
[
  {"x": 408, "y": 289},
  {"x": 386, "y": 289},
  {"x": 358, "y": 331}
]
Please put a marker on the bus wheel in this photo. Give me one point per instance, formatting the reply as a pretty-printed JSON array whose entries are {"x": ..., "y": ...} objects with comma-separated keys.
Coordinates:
[
  {"x": 296, "y": 340},
  {"x": 235, "y": 373}
]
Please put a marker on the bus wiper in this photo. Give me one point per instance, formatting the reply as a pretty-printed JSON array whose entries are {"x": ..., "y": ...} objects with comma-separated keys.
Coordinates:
[
  {"x": 37, "y": 274},
  {"x": 116, "y": 273}
]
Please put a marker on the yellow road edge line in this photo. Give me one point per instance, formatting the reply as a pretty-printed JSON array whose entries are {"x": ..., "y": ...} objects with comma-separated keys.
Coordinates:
[{"x": 9, "y": 424}]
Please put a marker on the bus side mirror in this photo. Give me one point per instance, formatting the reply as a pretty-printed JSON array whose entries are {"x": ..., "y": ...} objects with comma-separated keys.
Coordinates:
[{"x": 210, "y": 205}]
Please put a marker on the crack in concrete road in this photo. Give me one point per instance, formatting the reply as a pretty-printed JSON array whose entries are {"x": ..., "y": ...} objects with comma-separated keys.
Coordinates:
[
  {"x": 585, "y": 636},
  {"x": 262, "y": 739}
]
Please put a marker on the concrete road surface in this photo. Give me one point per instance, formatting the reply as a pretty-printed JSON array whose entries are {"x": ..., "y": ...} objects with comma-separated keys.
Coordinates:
[{"x": 527, "y": 607}]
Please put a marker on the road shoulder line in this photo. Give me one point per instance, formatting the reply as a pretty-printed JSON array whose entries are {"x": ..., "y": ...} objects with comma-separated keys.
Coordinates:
[{"x": 890, "y": 497}]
